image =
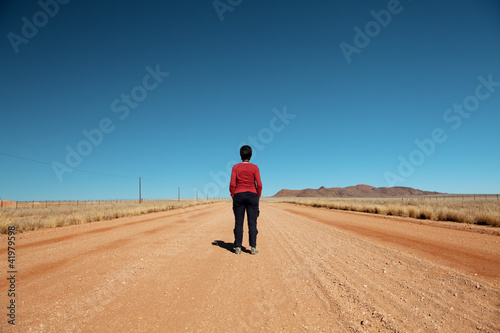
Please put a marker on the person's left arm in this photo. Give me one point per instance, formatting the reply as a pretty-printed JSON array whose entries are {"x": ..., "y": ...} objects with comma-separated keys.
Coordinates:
[
  {"x": 258, "y": 182},
  {"x": 232, "y": 184}
]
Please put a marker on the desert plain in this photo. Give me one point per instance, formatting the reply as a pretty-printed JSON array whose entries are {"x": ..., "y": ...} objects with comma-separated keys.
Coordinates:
[{"x": 318, "y": 270}]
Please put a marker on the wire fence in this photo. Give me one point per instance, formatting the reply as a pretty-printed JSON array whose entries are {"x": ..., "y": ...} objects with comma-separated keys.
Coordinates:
[
  {"x": 453, "y": 197},
  {"x": 83, "y": 203},
  {"x": 420, "y": 198}
]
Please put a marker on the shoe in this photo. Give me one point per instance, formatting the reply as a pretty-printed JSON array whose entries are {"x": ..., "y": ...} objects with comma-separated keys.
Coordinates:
[
  {"x": 254, "y": 250},
  {"x": 237, "y": 250}
]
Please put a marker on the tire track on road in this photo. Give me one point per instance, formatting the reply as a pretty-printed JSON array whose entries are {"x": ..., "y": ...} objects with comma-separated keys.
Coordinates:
[
  {"x": 372, "y": 271},
  {"x": 454, "y": 255},
  {"x": 166, "y": 275}
]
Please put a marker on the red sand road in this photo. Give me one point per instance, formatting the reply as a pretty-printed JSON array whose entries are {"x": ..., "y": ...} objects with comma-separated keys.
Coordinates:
[{"x": 317, "y": 270}]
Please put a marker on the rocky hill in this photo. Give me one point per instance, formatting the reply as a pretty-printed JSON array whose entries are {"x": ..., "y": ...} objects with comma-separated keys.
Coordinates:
[{"x": 357, "y": 191}]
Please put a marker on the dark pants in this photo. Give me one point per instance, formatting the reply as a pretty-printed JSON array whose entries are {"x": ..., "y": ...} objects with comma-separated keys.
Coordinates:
[{"x": 249, "y": 202}]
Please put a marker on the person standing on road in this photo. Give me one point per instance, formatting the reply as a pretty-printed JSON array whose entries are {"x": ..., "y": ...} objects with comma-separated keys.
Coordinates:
[{"x": 245, "y": 188}]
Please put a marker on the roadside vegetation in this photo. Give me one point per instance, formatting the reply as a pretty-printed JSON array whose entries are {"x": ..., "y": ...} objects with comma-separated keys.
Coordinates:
[
  {"x": 482, "y": 212},
  {"x": 27, "y": 218}
]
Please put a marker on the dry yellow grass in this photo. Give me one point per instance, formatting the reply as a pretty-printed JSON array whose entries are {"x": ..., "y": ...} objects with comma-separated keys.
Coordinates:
[
  {"x": 25, "y": 219},
  {"x": 482, "y": 212}
]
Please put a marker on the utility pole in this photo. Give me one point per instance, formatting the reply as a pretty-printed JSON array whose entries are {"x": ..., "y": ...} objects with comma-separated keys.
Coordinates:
[
  {"x": 179, "y": 193},
  {"x": 140, "y": 198}
]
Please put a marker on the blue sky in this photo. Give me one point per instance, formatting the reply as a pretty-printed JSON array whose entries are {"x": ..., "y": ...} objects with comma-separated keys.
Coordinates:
[{"x": 329, "y": 93}]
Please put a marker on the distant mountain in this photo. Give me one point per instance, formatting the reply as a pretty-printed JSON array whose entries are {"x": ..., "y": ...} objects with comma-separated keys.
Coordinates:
[{"x": 357, "y": 191}]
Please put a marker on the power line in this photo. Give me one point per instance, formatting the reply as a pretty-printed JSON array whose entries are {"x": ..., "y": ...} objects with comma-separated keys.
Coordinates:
[
  {"x": 153, "y": 182},
  {"x": 81, "y": 170},
  {"x": 24, "y": 158}
]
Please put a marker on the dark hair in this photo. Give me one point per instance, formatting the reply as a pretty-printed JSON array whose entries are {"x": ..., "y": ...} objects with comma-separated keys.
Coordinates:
[{"x": 246, "y": 153}]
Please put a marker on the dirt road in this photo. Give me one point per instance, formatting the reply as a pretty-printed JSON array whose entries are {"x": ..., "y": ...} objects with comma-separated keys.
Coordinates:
[{"x": 317, "y": 270}]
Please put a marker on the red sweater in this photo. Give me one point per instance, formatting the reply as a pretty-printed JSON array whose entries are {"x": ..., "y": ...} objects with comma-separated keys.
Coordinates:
[{"x": 245, "y": 177}]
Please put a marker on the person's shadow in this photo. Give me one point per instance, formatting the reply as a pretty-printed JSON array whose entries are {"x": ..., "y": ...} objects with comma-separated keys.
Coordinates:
[{"x": 228, "y": 246}]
